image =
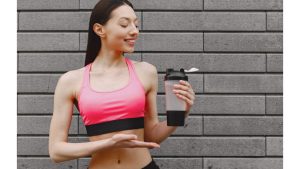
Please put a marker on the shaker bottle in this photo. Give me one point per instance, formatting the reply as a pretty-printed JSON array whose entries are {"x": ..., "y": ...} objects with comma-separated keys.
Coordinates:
[{"x": 175, "y": 107}]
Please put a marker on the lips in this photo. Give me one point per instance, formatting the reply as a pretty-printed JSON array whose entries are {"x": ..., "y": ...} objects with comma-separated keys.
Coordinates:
[{"x": 130, "y": 41}]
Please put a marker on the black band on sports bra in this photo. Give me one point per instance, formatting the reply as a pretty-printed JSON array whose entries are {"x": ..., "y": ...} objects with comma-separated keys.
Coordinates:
[{"x": 115, "y": 125}]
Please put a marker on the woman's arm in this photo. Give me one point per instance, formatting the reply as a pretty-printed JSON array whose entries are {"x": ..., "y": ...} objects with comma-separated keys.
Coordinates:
[
  {"x": 59, "y": 149},
  {"x": 64, "y": 151},
  {"x": 155, "y": 131}
]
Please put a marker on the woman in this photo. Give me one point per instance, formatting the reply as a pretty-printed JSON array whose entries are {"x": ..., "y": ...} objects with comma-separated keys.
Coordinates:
[{"x": 116, "y": 97}]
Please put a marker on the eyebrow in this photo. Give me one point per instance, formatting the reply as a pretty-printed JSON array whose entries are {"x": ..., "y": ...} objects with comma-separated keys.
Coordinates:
[{"x": 128, "y": 18}]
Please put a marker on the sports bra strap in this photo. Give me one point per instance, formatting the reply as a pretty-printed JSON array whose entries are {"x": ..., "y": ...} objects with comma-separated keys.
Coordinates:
[
  {"x": 86, "y": 74},
  {"x": 131, "y": 69}
]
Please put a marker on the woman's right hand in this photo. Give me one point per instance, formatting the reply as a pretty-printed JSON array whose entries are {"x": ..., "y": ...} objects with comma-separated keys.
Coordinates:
[{"x": 130, "y": 141}]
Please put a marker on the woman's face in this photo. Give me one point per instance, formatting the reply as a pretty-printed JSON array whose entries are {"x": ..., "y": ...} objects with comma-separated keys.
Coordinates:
[{"x": 122, "y": 26}]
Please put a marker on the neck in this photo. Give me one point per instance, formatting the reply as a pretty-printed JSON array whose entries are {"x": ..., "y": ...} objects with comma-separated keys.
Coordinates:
[{"x": 106, "y": 60}]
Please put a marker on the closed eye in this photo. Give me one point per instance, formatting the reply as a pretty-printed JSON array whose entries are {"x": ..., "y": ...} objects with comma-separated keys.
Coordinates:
[{"x": 126, "y": 26}]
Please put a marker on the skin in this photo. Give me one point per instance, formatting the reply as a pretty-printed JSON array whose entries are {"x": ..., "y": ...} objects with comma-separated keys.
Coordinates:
[{"x": 127, "y": 148}]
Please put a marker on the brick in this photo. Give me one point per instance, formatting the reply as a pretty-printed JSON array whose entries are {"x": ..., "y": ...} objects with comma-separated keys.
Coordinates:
[
  {"x": 43, "y": 104},
  {"x": 274, "y": 21},
  {"x": 245, "y": 83},
  {"x": 206, "y": 21},
  {"x": 243, "y": 42},
  {"x": 40, "y": 125},
  {"x": 37, "y": 83},
  {"x": 275, "y": 62},
  {"x": 225, "y": 125},
  {"x": 44, "y": 162},
  {"x": 179, "y": 163},
  {"x": 48, "y": 41},
  {"x": 242, "y": 5},
  {"x": 208, "y": 62},
  {"x": 180, "y": 42},
  {"x": 274, "y": 146},
  {"x": 156, "y": 5},
  {"x": 31, "y": 62},
  {"x": 274, "y": 104},
  {"x": 18, "y": 23},
  {"x": 54, "y": 20},
  {"x": 230, "y": 104},
  {"x": 47, "y": 4},
  {"x": 193, "y": 126},
  {"x": 211, "y": 146},
  {"x": 57, "y": 20},
  {"x": 148, "y": 42},
  {"x": 245, "y": 163}
]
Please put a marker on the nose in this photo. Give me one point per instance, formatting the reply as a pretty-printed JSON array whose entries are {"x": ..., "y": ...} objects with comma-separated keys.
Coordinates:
[{"x": 134, "y": 31}]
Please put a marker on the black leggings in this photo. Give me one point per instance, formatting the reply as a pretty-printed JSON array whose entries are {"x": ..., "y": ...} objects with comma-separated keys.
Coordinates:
[{"x": 151, "y": 165}]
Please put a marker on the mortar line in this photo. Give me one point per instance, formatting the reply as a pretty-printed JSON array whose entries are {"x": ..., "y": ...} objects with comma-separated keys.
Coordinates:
[{"x": 266, "y": 21}]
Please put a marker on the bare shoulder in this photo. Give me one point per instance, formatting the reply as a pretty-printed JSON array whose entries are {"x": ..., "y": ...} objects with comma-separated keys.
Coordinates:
[
  {"x": 147, "y": 74},
  {"x": 146, "y": 67},
  {"x": 72, "y": 76},
  {"x": 71, "y": 80}
]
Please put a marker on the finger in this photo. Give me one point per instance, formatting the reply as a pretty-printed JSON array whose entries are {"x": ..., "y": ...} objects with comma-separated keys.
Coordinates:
[
  {"x": 189, "y": 87},
  {"x": 125, "y": 136},
  {"x": 190, "y": 102},
  {"x": 186, "y": 83},
  {"x": 143, "y": 144},
  {"x": 130, "y": 137},
  {"x": 185, "y": 88},
  {"x": 185, "y": 93},
  {"x": 181, "y": 86}
]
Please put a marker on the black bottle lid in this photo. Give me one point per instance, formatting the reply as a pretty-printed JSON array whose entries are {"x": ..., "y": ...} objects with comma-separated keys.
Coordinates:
[{"x": 172, "y": 74}]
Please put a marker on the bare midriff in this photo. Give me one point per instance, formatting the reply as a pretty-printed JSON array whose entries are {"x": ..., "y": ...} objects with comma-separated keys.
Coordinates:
[{"x": 120, "y": 158}]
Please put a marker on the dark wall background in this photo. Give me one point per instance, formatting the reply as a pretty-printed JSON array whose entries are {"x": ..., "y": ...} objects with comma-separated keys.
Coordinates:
[{"x": 236, "y": 121}]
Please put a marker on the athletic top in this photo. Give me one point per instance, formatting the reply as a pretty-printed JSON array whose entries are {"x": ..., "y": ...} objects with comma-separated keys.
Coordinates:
[{"x": 108, "y": 111}]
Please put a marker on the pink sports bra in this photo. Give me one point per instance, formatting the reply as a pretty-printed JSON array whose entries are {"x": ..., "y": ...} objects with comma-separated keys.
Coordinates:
[{"x": 108, "y": 111}]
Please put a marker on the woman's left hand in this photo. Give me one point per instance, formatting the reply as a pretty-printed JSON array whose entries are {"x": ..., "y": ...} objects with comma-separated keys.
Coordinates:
[{"x": 184, "y": 91}]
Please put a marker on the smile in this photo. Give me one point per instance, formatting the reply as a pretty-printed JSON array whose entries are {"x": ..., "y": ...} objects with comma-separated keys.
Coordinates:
[{"x": 131, "y": 42}]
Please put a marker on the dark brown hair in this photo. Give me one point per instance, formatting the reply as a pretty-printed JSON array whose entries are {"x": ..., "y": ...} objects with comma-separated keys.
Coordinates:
[{"x": 101, "y": 13}]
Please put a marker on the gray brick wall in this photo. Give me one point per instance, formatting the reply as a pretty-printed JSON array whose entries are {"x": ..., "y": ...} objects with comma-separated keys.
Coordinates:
[{"x": 236, "y": 121}]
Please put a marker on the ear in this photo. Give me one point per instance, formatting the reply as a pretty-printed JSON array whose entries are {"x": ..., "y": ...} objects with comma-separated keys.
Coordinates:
[{"x": 99, "y": 30}]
